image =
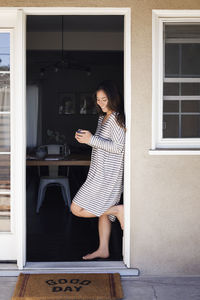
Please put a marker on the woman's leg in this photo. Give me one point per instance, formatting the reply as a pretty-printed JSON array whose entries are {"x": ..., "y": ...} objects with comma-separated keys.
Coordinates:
[
  {"x": 116, "y": 210},
  {"x": 104, "y": 228},
  {"x": 80, "y": 212}
]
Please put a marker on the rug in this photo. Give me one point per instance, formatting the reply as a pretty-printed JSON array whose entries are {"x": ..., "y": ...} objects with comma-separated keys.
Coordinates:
[{"x": 68, "y": 286}]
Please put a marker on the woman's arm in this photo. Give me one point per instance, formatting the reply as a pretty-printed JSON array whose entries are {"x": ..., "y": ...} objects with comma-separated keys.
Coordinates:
[{"x": 115, "y": 144}]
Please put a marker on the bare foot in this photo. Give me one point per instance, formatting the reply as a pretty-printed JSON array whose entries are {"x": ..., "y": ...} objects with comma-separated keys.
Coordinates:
[
  {"x": 120, "y": 215},
  {"x": 96, "y": 254}
]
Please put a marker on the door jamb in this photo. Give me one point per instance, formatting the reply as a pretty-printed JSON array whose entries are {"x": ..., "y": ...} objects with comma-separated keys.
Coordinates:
[{"x": 22, "y": 12}]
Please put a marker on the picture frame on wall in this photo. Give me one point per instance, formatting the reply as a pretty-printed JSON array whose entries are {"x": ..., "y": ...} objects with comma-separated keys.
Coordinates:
[
  {"x": 67, "y": 103},
  {"x": 87, "y": 105}
]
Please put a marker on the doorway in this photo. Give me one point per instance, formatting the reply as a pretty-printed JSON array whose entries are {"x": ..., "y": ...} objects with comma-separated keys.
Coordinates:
[
  {"x": 19, "y": 120},
  {"x": 61, "y": 75}
]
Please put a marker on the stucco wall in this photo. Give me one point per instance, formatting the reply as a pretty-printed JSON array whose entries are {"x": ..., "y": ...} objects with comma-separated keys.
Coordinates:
[{"x": 165, "y": 207}]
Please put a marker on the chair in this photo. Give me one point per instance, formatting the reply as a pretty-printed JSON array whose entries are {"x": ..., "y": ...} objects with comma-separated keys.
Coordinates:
[{"x": 54, "y": 179}]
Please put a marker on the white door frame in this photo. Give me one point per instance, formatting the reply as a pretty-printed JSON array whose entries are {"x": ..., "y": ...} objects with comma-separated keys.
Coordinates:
[{"x": 21, "y": 114}]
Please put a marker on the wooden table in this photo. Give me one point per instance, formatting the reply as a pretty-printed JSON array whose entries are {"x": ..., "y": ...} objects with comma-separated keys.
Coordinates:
[{"x": 70, "y": 160}]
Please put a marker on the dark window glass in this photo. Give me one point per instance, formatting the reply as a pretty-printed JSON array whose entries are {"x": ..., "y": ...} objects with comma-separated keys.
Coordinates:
[
  {"x": 170, "y": 126},
  {"x": 190, "y": 106},
  {"x": 171, "y": 60},
  {"x": 170, "y": 106},
  {"x": 190, "y": 60},
  {"x": 171, "y": 89},
  {"x": 190, "y": 89},
  {"x": 190, "y": 126}
]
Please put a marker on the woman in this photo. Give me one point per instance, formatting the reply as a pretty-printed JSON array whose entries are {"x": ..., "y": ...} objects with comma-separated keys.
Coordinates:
[{"x": 100, "y": 194}]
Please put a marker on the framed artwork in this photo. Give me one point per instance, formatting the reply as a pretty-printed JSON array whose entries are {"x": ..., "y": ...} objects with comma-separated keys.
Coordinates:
[
  {"x": 67, "y": 104},
  {"x": 87, "y": 105}
]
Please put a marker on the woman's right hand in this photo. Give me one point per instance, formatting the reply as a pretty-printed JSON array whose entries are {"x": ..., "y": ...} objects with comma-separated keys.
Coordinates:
[{"x": 83, "y": 136}]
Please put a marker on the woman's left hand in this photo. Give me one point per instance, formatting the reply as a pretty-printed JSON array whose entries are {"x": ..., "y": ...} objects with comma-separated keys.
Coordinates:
[{"x": 83, "y": 137}]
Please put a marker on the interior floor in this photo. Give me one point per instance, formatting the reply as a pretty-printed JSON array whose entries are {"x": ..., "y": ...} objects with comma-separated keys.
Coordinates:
[{"x": 54, "y": 234}]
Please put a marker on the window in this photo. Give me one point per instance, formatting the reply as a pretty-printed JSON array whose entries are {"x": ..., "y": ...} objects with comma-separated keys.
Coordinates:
[
  {"x": 4, "y": 131},
  {"x": 181, "y": 84},
  {"x": 176, "y": 82}
]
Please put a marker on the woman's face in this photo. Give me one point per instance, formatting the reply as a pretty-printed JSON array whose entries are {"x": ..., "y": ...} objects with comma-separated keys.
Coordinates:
[{"x": 102, "y": 101}]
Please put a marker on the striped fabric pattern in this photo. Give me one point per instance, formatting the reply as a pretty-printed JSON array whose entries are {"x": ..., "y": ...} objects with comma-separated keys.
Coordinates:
[{"x": 104, "y": 184}]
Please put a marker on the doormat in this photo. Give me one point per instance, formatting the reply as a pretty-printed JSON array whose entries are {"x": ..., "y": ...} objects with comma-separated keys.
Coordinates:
[{"x": 68, "y": 286}]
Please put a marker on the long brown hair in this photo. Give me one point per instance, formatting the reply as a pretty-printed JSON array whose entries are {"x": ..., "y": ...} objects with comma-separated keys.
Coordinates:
[{"x": 115, "y": 100}]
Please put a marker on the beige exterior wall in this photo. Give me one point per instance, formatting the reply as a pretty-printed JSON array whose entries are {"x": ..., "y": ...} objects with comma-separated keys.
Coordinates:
[{"x": 165, "y": 208}]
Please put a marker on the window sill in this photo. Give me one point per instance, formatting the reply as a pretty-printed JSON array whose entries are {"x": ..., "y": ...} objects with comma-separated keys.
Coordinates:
[{"x": 174, "y": 152}]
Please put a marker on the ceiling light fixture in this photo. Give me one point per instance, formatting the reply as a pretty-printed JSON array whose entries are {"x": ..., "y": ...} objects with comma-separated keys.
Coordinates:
[{"x": 64, "y": 62}]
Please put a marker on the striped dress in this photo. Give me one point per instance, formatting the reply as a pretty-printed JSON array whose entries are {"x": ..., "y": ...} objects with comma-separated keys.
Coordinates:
[{"x": 104, "y": 184}]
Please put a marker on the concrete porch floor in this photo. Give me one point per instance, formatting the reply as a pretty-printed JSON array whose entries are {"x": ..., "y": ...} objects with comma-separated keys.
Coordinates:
[{"x": 137, "y": 288}]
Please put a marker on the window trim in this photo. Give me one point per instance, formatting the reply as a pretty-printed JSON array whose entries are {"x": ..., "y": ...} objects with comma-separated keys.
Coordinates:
[{"x": 159, "y": 17}]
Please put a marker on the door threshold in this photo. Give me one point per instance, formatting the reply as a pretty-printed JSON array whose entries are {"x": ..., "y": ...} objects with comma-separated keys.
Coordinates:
[
  {"x": 81, "y": 267},
  {"x": 71, "y": 267}
]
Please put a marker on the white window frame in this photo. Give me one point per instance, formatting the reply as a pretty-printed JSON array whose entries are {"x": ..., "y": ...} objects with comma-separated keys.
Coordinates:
[{"x": 160, "y": 144}]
